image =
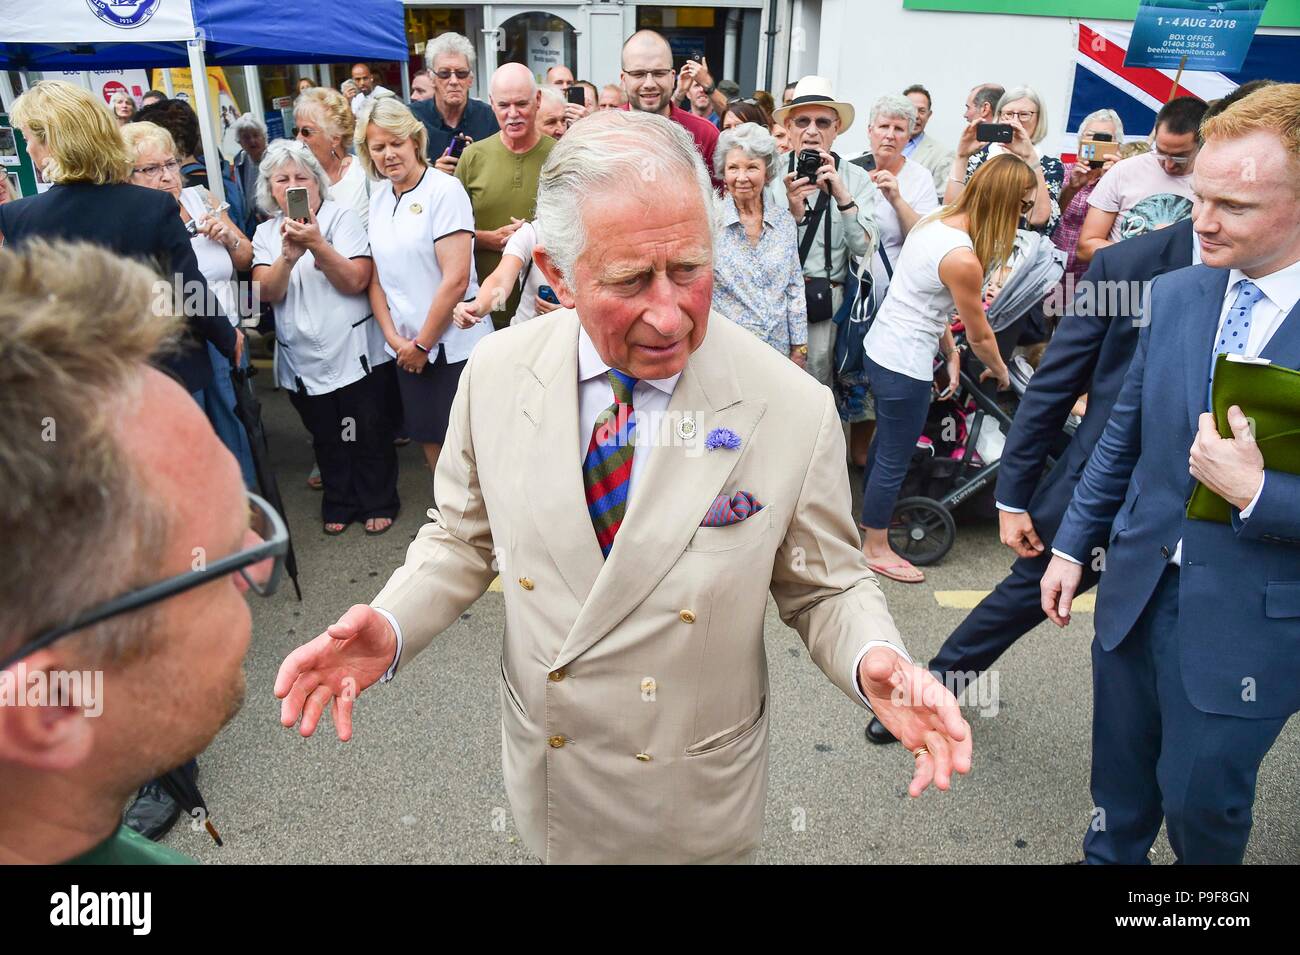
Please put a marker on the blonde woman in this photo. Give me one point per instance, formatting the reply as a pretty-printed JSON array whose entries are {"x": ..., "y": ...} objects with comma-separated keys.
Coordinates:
[
  {"x": 943, "y": 266},
  {"x": 122, "y": 107},
  {"x": 324, "y": 123},
  {"x": 422, "y": 240},
  {"x": 220, "y": 249},
  {"x": 78, "y": 147}
]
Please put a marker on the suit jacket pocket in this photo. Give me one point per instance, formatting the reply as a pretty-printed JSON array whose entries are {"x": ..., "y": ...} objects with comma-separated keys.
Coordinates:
[
  {"x": 1282, "y": 599},
  {"x": 716, "y": 539},
  {"x": 732, "y": 734},
  {"x": 510, "y": 690}
]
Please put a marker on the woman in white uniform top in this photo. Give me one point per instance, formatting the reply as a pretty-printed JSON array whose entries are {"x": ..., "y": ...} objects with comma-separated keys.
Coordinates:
[
  {"x": 422, "y": 239},
  {"x": 220, "y": 248},
  {"x": 332, "y": 359},
  {"x": 324, "y": 123}
]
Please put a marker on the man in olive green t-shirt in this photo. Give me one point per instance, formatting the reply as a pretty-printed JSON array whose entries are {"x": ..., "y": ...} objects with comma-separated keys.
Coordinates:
[{"x": 500, "y": 173}]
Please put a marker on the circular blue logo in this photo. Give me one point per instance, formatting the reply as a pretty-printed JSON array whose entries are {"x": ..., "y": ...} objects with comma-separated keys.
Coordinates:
[{"x": 124, "y": 14}]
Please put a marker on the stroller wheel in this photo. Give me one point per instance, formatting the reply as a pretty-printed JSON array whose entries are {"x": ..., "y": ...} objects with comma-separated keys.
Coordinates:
[{"x": 921, "y": 530}]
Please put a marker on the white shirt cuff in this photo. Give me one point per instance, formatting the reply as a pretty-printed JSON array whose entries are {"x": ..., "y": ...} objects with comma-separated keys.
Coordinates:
[
  {"x": 1008, "y": 508},
  {"x": 397, "y": 629},
  {"x": 1249, "y": 508},
  {"x": 1064, "y": 556},
  {"x": 857, "y": 664}
]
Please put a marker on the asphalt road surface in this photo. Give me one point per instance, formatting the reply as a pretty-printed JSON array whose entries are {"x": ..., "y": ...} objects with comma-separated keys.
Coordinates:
[{"x": 421, "y": 779}]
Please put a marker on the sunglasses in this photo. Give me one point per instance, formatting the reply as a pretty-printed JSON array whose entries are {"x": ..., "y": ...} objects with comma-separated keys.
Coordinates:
[
  {"x": 305, "y": 131},
  {"x": 1026, "y": 206},
  {"x": 448, "y": 74},
  {"x": 823, "y": 122},
  {"x": 251, "y": 563}
]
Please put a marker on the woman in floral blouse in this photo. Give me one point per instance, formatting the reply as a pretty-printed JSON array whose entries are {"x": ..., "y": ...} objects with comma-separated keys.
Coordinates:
[
  {"x": 757, "y": 278},
  {"x": 1022, "y": 109}
]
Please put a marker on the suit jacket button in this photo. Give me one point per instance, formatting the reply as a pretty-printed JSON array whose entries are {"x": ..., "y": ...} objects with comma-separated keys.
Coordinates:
[
  {"x": 555, "y": 676},
  {"x": 1164, "y": 552},
  {"x": 526, "y": 583},
  {"x": 556, "y": 742},
  {"x": 644, "y": 757},
  {"x": 687, "y": 616}
]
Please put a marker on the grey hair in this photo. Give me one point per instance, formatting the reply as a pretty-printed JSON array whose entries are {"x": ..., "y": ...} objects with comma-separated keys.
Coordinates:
[
  {"x": 450, "y": 43},
  {"x": 609, "y": 152},
  {"x": 899, "y": 106},
  {"x": 554, "y": 95},
  {"x": 754, "y": 141},
  {"x": 1104, "y": 116},
  {"x": 278, "y": 153},
  {"x": 1029, "y": 93},
  {"x": 248, "y": 123}
]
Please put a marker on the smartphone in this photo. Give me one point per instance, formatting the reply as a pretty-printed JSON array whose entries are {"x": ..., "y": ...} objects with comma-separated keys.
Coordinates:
[
  {"x": 577, "y": 95},
  {"x": 867, "y": 162},
  {"x": 547, "y": 294},
  {"x": 457, "y": 145},
  {"x": 1095, "y": 151},
  {"x": 810, "y": 160},
  {"x": 299, "y": 208},
  {"x": 994, "y": 132}
]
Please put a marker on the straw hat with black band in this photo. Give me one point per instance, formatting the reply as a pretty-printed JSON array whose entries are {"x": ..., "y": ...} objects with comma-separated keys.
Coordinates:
[{"x": 815, "y": 91}]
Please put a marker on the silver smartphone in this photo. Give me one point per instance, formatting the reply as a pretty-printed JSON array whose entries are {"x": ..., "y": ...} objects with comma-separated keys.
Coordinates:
[{"x": 298, "y": 206}]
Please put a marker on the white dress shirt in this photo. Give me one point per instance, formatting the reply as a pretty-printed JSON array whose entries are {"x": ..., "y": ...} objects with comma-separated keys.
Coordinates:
[
  {"x": 649, "y": 401},
  {"x": 1281, "y": 292}
]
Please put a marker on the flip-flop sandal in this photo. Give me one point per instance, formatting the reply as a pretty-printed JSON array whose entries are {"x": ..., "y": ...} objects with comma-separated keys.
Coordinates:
[
  {"x": 314, "y": 480},
  {"x": 381, "y": 530},
  {"x": 884, "y": 571},
  {"x": 338, "y": 528}
]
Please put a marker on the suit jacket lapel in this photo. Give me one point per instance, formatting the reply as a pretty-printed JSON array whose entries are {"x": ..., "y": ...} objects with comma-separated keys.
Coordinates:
[
  {"x": 556, "y": 496},
  {"x": 1284, "y": 347},
  {"x": 1202, "y": 324},
  {"x": 673, "y": 492}
]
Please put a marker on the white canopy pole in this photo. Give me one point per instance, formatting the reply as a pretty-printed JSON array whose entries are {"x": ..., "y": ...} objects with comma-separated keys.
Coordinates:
[
  {"x": 211, "y": 157},
  {"x": 168, "y": 88},
  {"x": 6, "y": 91},
  {"x": 253, "y": 87}
]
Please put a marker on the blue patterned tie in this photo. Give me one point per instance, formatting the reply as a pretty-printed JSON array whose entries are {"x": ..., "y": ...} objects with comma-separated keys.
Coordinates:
[{"x": 1236, "y": 329}]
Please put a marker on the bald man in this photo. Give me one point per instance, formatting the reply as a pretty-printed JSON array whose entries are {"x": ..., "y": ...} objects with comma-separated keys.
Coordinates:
[
  {"x": 649, "y": 79},
  {"x": 500, "y": 172}
]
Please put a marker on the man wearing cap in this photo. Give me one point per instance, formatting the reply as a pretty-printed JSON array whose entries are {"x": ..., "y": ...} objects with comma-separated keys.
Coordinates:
[{"x": 834, "y": 211}]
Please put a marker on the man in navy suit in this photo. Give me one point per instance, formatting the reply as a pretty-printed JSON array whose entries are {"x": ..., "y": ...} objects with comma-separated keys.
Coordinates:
[
  {"x": 1090, "y": 353},
  {"x": 1196, "y": 661}
]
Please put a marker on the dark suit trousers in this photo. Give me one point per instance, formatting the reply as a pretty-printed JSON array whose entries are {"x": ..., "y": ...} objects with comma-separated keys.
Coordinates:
[
  {"x": 352, "y": 434},
  {"x": 1156, "y": 755}
]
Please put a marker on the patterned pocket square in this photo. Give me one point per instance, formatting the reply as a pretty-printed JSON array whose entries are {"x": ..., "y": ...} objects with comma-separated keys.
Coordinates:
[{"x": 731, "y": 510}]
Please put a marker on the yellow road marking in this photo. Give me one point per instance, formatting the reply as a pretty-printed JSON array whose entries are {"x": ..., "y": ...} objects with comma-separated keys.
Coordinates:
[{"x": 967, "y": 599}]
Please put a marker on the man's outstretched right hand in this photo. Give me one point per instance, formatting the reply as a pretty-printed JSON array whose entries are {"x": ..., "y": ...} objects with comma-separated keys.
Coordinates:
[{"x": 348, "y": 657}]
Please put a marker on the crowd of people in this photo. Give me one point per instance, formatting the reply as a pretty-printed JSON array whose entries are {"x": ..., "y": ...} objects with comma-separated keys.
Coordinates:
[{"x": 388, "y": 239}]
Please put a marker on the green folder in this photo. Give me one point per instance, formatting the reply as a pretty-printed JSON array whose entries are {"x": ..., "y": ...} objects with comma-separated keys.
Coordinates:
[{"x": 1269, "y": 395}]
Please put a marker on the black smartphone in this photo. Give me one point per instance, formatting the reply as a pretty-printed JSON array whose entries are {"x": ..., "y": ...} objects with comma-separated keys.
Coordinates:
[
  {"x": 458, "y": 144},
  {"x": 576, "y": 95},
  {"x": 810, "y": 160},
  {"x": 547, "y": 294},
  {"x": 867, "y": 162},
  {"x": 994, "y": 132}
]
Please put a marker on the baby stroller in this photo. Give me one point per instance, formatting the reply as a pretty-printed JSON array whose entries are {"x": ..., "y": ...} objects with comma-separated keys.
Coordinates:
[{"x": 959, "y": 452}]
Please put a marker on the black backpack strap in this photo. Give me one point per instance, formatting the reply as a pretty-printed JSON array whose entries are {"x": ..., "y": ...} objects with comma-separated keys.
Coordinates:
[{"x": 819, "y": 210}]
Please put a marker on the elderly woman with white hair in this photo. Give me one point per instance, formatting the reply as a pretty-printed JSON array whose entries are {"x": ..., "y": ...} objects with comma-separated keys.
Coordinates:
[
  {"x": 422, "y": 237},
  {"x": 757, "y": 277},
  {"x": 324, "y": 123},
  {"x": 1023, "y": 110},
  {"x": 1081, "y": 178},
  {"x": 315, "y": 273},
  {"x": 250, "y": 133}
]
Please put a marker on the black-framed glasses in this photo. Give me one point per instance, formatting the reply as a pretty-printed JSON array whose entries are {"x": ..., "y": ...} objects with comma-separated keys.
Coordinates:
[
  {"x": 156, "y": 171},
  {"x": 261, "y": 565},
  {"x": 448, "y": 74}
]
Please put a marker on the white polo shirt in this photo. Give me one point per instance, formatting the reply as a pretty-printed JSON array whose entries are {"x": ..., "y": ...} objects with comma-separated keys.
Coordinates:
[
  {"x": 403, "y": 233},
  {"x": 326, "y": 339}
]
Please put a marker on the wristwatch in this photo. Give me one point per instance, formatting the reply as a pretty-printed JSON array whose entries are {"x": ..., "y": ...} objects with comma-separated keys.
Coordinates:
[{"x": 419, "y": 346}]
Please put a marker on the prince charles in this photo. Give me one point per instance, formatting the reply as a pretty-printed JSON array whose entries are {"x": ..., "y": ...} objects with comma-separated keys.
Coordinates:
[{"x": 640, "y": 474}]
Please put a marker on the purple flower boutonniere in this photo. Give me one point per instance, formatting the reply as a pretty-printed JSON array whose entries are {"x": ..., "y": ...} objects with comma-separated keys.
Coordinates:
[{"x": 722, "y": 438}]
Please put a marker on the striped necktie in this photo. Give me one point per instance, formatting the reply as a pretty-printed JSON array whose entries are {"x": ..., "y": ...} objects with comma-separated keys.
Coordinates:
[{"x": 607, "y": 468}]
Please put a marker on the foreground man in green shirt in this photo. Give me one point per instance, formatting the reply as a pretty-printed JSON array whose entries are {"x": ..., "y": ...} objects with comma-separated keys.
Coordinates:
[
  {"x": 128, "y": 552},
  {"x": 500, "y": 173}
]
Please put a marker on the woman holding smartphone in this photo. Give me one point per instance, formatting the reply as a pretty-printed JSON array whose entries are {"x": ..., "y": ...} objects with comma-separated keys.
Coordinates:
[
  {"x": 422, "y": 238},
  {"x": 312, "y": 261},
  {"x": 944, "y": 265}
]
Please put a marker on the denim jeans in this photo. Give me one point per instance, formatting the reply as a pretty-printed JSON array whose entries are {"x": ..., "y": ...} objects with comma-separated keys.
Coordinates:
[
  {"x": 218, "y": 402},
  {"x": 902, "y": 403}
]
